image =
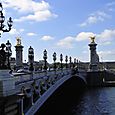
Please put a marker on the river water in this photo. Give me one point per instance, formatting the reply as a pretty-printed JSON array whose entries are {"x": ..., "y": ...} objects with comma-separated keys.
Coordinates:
[
  {"x": 96, "y": 101},
  {"x": 73, "y": 100}
]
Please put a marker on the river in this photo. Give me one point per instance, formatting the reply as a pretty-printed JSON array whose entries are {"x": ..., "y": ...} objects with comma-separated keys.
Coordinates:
[
  {"x": 91, "y": 101},
  {"x": 96, "y": 101}
]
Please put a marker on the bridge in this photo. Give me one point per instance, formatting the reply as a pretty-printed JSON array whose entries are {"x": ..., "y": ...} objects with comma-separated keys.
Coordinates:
[
  {"x": 26, "y": 92},
  {"x": 30, "y": 91}
]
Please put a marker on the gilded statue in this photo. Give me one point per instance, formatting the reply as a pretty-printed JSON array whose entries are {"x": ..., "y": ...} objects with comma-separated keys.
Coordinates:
[
  {"x": 18, "y": 41},
  {"x": 92, "y": 39}
]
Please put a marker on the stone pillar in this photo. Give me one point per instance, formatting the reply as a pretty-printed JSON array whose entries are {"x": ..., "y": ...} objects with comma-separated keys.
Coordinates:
[
  {"x": 94, "y": 58},
  {"x": 19, "y": 54}
]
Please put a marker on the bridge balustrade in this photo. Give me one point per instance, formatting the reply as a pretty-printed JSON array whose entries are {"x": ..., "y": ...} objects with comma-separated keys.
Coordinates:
[
  {"x": 22, "y": 77},
  {"x": 37, "y": 86}
]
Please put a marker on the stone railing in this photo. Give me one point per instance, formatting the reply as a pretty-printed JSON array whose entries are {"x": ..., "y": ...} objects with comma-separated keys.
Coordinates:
[
  {"x": 41, "y": 82},
  {"x": 12, "y": 83},
  {"x": 45, "y": 91},
  {"x": 7, "y": 83},
  {"x": 24, "y": 77}
]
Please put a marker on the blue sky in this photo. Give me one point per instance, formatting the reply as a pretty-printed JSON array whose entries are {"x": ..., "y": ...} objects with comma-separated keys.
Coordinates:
[{"x": 62, "y": 26}]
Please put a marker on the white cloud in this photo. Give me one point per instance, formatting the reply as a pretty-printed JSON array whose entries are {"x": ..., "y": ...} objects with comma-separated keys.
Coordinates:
[
  {"x": 106, "y": 36},
  {"x": 111, "y": 6},
  {"x": 110, "y": 3},
  {"x": 66, "y": 42},
  {"x": 14, "y": 31},
  {"x": 37, "y": 16},
  {"x": 31, "y": 34},
  {"x": 94, "y": 18},
  {"x": 105, "y": 43},
  {"x": 90, "y": 20},
  {"x": 84, "y": 36},
  {"x": 111, "y": 9},
  {"x": 103, "y": 38},
  {"x": 99, "y": 15},
  {"x": 106, "y": 55},
  {"x": 21, "y": 30},
  {"x": 47, "y": 38},
  {"x": 37, "y": 11},
  {"x": 26, "y": 5}
]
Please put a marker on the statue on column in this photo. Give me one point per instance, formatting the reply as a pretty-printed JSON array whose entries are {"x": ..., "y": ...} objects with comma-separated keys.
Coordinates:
[
  {"x": 94, "y": 58},
  {"x": 92, "y": 39},
  {"x": 2, "y": 57},
  {"x": 18, "y": 41}
]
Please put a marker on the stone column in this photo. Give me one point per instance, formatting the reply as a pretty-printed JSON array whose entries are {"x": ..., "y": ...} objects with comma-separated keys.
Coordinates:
[
  {"x": 94, "y": 58},
  {"x": 19, "y": 54}
]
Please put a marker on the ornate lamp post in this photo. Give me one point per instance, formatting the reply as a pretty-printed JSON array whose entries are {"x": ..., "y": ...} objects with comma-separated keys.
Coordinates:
[
  {"x": 2, "y": 19},
  {"x": 61, "y": 59},
  {"x": 74, "y": 62},
  {"x": 54, "y": 59},
  {"x": 8, "y": 53},
  {"x": 31, "y": 59},
  {"x": 70, "y": 61},
  {"x": 45, "y": 59},
  {"x": 77, "y": 63},
  {"x": 21, "y": 97},
  {"x": 66, "y": 60}
]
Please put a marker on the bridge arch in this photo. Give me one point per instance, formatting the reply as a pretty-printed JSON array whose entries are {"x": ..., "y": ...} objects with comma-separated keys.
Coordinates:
[{"x": 65, "y": 86}]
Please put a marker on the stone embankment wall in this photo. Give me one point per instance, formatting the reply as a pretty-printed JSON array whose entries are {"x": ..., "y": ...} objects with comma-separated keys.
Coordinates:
[{"x": 99, "y": 78}]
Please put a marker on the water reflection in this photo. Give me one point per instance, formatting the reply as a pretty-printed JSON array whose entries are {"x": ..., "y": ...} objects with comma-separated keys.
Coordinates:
[{"x": 98, "y": 101}]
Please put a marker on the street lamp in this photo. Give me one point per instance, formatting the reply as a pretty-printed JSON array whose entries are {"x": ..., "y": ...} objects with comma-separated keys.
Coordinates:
[
  {"x": 54, "y": 59},
  {"x": 2, "y": 19},
  {"x": 31, "y": 59},
  {"x": 8, "y": 53},
  {"x": 61, "y": 59},
  {"x": 75, "y": 62},
  {"x": 66, "y": 60},
  {"x": 21, "y": 98},
  {"x": 70, "y": 61},
  {"x": 45, "y": 59}
]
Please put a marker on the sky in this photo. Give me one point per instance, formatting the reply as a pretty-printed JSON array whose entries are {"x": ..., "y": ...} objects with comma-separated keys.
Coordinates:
[{"x": 61, "y": 26}]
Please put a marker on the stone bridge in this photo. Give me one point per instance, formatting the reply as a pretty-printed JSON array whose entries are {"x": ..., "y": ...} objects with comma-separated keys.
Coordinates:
[
  {"x": 26, "y": 93},
  {"x": 30, "y": 91}
]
